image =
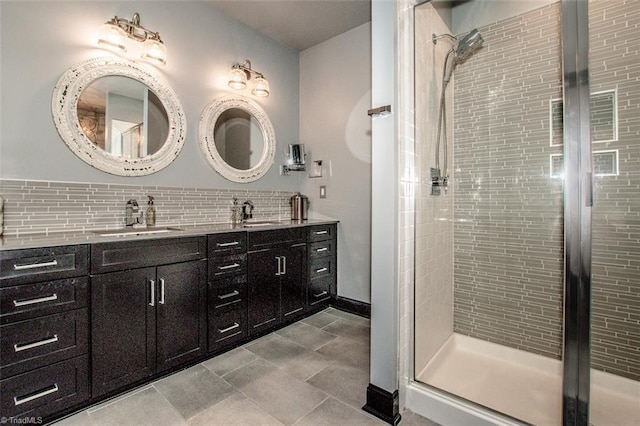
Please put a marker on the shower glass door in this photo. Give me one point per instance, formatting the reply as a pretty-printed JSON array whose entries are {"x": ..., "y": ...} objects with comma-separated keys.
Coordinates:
[
  {"x": 489, "y": 283},
  {"x": 614, "y": 65}
]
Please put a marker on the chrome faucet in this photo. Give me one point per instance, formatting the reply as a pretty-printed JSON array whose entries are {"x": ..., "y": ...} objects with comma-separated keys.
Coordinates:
[
  {"x": 247, "y": 210},
  {"x": 132, "y": 207}
]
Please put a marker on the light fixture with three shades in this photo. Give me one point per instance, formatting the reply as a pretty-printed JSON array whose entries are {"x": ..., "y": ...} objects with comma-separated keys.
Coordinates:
[{"x": 120, "y": 34}]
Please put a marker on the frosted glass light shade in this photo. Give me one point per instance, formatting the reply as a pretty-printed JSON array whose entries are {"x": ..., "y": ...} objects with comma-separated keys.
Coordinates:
[
  {"x": 237, "y": 79},
  {"x": 113, "y": 37},
  {"x": 260, "y": 87},
  {"x": 155, "y": 51}
]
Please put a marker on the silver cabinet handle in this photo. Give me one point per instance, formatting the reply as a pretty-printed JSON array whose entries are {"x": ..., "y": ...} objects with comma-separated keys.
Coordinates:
[
  {"x": 284, "y": 265},
  {"x": 152, "y": 284},
  {"x": 321, "y": 249},
  {"x": 321, "y": 270},
  {"x": 321, "y": 232},
  {"x": 35, "y": 265},
  {"x": 279, "y": 259},
  {"x": 319, "y": 294},
  {"x": 232, "y": 266},
  {"x": 18, "y": 303},
  {"x": 228, "y": 295},
  {"x": 18, "y": 401},
  {"x": 233, "y": 327},
  {"x": 17, "y": 347},
  {"x": 161, "y": 301},
  {"x": 233, "y": 243}
]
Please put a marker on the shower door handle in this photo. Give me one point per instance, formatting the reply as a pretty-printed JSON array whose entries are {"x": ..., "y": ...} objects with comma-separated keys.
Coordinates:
[
  {"x": 380, "y": 111},
  {"x": 588, "y": 189}
]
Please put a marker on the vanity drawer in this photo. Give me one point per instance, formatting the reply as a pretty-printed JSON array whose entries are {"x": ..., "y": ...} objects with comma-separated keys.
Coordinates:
[
  {"x": 220, "y": 267},
  {"x": 31, "y": 300},
  {"x": 321, "y": 267},
  {"x": 42, "y": 392},
  {"x": 322, "y": 232},
  {"x": 123, "y": 255},
  {"x": 228, "y": 243},
  {"x": 263, "y": 239},
  {"x": 227, "y": 325},
  {"x": 32, "y": 265},
  {"x": 319, "y": 290},
  {"x": 227, "y": 292},
  {"x": 322, "y": 248},
  {"x": 37, "y": 342}
]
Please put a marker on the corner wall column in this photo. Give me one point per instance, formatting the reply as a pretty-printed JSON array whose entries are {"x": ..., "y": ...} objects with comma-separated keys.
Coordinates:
[{"x": 382, "y": 392}]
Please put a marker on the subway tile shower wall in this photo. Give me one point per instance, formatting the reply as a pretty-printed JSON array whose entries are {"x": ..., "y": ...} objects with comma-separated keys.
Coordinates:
[
  {"x": 508, "y": 231},
  {"x": 35, "y": 207}
]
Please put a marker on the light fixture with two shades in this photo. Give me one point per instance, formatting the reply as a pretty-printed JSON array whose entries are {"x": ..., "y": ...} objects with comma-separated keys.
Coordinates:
[{"x": 241, "y": 73}]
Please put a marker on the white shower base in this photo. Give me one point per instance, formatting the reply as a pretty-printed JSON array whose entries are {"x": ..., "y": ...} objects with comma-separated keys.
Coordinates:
[{"x": 522, "y": 385}]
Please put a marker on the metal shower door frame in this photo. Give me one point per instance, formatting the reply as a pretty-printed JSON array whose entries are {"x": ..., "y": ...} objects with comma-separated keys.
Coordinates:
[{"x": 578, "y": 200}]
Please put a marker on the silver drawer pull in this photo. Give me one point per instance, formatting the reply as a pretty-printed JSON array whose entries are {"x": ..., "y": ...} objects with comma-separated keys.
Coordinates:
[
  {"x": 321, "y": 232},
  {"x": 35, "y": 265},
  {"x": 18, "y": 303},
  {"x": 233, "y": 243},
  {"x": 152, "y": 289},
  {"x": 322, "y": 249},
  {"x": 319, "y": 294},
  {"x": 228, "y": 295},
  {"x": 17, "y": 347},
  {"x": 18, "y": 401},
  {"x": 233, "y": 327},
  {"x": 162, "y": 300},
  {"x": 223, "y": 268},
  {"x": 321, "y": 270}
]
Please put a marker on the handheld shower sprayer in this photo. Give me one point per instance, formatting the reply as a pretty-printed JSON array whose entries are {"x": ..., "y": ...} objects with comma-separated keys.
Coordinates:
[{"x": 459, "y": 52}]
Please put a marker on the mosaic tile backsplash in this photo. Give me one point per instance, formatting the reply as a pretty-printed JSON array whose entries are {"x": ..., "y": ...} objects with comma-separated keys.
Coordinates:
[{"x": 35, "y": 207}]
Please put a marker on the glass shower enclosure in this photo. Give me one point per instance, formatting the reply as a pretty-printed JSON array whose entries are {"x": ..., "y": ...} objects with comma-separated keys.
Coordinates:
[{"x": 527, "y": 252}]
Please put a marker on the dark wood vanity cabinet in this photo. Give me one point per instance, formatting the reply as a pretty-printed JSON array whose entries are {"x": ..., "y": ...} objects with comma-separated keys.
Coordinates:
[
  {"x": 322, "y": 264},
  {"x": 44, "y": 331},
  {"x": 227, "y": 285},
  {"x": 79, "y": 323},
  {"x": 146, "y": 320},
  {"x": 277, "y": 276}
]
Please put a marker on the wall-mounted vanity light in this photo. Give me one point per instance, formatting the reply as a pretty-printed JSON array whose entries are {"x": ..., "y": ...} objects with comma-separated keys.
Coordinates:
[
  {"x": 241, "y": 73},
  {"x": 118, "y": 34}
]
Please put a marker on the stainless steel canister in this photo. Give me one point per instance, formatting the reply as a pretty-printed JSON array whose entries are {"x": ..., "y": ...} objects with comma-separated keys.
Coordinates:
[{"x": 299, "y": 206}]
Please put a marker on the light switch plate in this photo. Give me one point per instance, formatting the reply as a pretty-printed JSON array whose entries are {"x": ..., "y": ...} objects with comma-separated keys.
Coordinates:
[{"x": 323, "y": 191}]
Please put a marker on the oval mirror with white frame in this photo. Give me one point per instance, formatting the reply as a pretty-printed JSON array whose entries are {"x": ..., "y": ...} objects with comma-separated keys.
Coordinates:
[
  {"x": 237, "y": 138},
  {"x": 118, "y": 116}
]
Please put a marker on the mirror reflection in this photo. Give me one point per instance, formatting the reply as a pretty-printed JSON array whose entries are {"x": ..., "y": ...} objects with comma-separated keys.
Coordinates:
[
  {"x": 123, "y": 117},
  {"x": 238, "y": 138}
]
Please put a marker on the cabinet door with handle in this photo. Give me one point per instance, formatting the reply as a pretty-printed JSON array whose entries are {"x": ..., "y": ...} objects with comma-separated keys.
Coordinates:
[
  {"x": 123, "y": 328},
  {"x": 293, "y": 280},
  {"x": 181, "y": 313},
  {"x": 264, "y": 290}
]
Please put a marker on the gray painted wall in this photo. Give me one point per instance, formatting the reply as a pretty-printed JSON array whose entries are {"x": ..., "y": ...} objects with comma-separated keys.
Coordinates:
[
  {"x": 335, "y": 94},
  {"x": 202, "y": 45},
  {"x": 42, "y": 39}
]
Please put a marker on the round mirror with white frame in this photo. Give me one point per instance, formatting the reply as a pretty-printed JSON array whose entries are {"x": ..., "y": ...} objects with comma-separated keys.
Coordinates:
[
  {"x": 237, "y": 138},
  {"x": 119, "y": 116}
]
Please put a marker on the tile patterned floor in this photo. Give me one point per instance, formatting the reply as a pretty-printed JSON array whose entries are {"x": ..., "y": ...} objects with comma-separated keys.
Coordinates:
[{"x": 313, "y": 372}]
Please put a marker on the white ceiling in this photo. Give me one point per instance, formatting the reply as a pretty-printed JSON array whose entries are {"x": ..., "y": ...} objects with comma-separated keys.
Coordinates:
[{"x": 298, "y": 24}]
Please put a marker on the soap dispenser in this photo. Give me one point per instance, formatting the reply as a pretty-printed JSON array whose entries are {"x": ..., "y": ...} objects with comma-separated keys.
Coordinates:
[
  {"x": 236, "y": 213},
  {"x": 150, "y": 216}
]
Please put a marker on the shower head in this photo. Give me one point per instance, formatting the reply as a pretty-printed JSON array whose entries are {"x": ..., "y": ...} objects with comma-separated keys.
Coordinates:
[{"x": 467, "y": 45}]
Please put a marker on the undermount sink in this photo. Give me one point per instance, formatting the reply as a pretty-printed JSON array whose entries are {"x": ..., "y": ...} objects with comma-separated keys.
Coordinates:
[
  {"x": 257, "y": 224},
  {"x": 135, "y": 231}
]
